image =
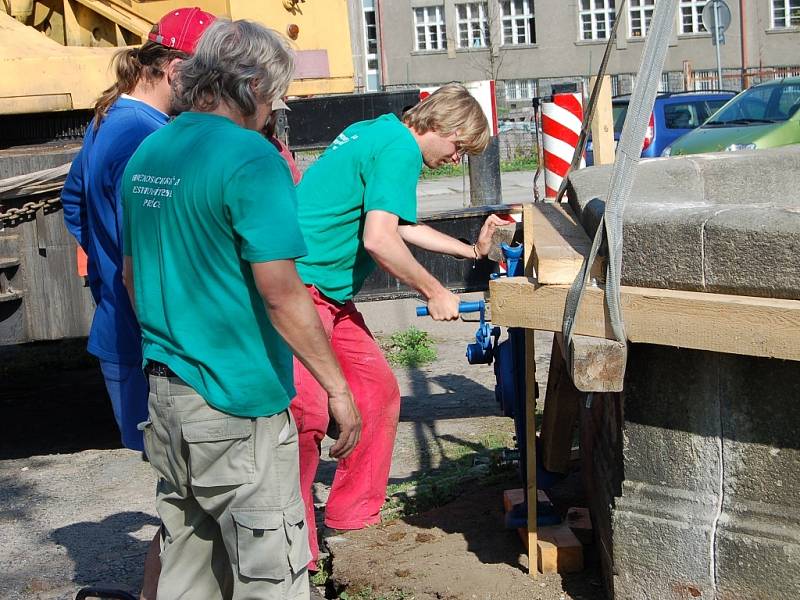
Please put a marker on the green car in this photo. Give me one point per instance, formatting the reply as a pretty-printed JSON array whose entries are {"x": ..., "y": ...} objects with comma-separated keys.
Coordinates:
[{"x": 763, "y": 116}]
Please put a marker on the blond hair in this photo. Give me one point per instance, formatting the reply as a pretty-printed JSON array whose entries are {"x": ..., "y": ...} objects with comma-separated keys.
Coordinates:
[{"x": 451, "y": 109}]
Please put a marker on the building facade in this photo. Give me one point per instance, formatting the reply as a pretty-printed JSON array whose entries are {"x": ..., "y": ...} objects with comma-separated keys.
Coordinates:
[{"x": 529, "y": 44}]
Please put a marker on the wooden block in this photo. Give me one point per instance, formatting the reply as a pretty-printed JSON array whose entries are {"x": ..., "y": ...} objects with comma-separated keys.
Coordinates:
[
  {"x": 603, "y": 147},
  {"x": 744, "y": 325},
  {"x": 517, "y": 496},
  {"x": 560, "y": 413},
  {"x": 530, "y": 436},
  {"x": 598, "y": 364},
  {"x": 559, "y": 550},
  {"x": 508, "y": 234},
  {"x": 580, "y": 522},
  {"x": 512, "y": 497},
  {"x": 558, "y": 243}
]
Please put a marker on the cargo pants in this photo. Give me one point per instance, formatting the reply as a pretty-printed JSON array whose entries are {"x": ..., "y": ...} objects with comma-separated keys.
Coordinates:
[{"x": 229, "y": 499}]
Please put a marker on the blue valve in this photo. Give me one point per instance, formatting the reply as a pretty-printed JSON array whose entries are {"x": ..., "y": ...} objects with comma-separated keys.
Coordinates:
[
  {"x": 481, "y": 352},
  {"x": 463, "y": 307},
  {"x": 513, "y": 256}
]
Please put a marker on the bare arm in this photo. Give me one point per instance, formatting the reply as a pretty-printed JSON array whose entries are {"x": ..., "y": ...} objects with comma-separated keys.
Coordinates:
[
  {"x": 293, "y": 315},
  {"x": 127, "y": 280},
  {"x": 384, "y": 243},
  {"x": 428, "y": 238}
]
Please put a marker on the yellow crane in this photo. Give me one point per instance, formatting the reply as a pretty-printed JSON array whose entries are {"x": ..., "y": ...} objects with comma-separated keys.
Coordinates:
[{"x": 54, "y": 54}]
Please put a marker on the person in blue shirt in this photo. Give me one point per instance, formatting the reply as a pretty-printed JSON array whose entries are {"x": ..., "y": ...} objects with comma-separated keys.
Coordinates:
[{"x": 137, "y": 104}]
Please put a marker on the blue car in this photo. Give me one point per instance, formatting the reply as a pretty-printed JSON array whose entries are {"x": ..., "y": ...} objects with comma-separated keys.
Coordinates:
[{"x": 674, "y": 114}]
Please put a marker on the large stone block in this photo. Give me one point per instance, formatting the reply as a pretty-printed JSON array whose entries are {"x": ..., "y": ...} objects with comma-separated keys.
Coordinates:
[
  {"x": 710, "y": 475},
  {"x": 727, "y": 223}
]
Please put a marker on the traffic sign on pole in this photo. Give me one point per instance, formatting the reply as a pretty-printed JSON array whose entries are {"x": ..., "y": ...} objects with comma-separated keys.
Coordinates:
[{"x": 716, "y": 19}]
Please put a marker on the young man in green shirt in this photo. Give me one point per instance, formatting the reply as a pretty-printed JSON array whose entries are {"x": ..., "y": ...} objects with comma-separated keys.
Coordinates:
[
  {"x": 357, "y": 207},
  {"x": 210, "y": 239}
]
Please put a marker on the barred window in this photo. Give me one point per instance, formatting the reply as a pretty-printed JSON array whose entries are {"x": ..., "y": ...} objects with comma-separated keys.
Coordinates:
[
  {"x": 520, "y": 89},
  {"x": 430, "y": 29},
  {"x": 785, "y": 13},
  {"x": 473, "y": 25},
  {"x": 596, "y": 19},
  {"x": 519, "y": 24},
  {"x": 640, "y": 13},
  {"x": 691, "y": 16}
]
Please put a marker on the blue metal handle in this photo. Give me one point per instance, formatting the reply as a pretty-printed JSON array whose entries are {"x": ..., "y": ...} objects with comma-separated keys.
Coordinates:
[{"x": 463, "y": 307}]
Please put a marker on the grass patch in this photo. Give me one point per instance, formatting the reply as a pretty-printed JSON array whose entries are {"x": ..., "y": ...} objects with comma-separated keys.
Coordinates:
[
  {"x": 410, "y": 348},
  {"x": 446, "y": 170},
  {"x": 463, "y": 461},
  {"x": 523, "y": 162},
  {"x": 519, "y": 163}
]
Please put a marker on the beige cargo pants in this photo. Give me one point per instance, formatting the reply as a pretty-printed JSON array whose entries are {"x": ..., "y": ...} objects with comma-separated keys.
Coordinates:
[{"x": 229, "y": 498}]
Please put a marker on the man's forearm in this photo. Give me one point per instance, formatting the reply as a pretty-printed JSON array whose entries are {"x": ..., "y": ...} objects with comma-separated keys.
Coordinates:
[
  {"x": 296, "y": 320},
  {"x": 428, "y": 238},
  {"x": 127, "y": 280},
  {"x": 394, "y": 257}
]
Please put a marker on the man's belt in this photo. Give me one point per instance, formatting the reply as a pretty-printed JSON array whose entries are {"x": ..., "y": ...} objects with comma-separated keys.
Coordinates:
[{"x": 158, "y": 369}]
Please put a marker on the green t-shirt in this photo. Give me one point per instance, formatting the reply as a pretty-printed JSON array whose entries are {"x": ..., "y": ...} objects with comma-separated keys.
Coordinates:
[
  {"x": 203, "y": 199},
  {"x": 371, "y": 165}
]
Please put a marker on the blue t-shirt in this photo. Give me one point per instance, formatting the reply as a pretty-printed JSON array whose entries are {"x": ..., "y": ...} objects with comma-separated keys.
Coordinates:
[{"x": 93, "y": 214}]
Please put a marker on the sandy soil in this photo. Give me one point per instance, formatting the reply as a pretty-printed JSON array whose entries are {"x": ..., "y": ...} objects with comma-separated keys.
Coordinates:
[{"x": 76, "y": 510}]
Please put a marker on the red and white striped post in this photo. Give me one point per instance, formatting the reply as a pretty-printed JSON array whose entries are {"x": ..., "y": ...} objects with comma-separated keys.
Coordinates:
[{"x": 561, "y": 127}]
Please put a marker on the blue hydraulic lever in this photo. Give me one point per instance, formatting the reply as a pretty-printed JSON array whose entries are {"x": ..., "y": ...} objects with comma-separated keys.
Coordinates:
[
  {"x": 463, "y": 307},
  {"x": 481, "y": 352}
]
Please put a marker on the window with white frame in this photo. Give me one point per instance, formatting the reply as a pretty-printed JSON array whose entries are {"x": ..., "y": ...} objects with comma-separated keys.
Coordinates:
[
  {"x": 519, "y": 25},
  {"x": 473, "y": 25},
  {"x": 371, "y": 45},
  {"x": 640, "y": 13},
  {"x": 785, "y": 13},
  {"x": 691, "y": 16},
  {"x": 520, "y": 89},
  {"x": 596, "y": 19},
  {"x": 430, "y": 29}
]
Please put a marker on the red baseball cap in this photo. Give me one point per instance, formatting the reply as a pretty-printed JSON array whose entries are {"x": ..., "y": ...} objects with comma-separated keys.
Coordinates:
[{"x": 181, "y": 28}]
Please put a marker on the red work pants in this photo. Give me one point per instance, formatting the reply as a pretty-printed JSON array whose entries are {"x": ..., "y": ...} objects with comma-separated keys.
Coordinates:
[{"x": 359, "y": 486}]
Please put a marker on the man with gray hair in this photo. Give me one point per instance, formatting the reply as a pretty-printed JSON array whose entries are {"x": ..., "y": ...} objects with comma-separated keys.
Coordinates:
[{"x": 210, "y": 238}]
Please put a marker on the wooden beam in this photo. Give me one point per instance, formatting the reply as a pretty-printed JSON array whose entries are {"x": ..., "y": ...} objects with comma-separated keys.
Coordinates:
[
  {"x": 557, "y": 243},
  {"x": 530, "y": 436},
  {"x": 603, "y": 146},
  {"x": 527, "y": 240},
  {"x": 743, "y": 325},
  {"x": 560, "y": 412},
  {"x": 598, "y": 364}
]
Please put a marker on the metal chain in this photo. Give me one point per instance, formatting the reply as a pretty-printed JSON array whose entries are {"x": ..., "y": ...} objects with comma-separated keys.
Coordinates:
[{"x": 14, "y": 216}]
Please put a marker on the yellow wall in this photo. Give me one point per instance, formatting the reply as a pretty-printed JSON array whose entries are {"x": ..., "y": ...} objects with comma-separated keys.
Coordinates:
[{"x": 323, "y": 26}]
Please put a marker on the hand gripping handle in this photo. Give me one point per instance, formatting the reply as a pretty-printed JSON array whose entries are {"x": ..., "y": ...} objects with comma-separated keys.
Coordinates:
[{"x": 463, "y": 307}]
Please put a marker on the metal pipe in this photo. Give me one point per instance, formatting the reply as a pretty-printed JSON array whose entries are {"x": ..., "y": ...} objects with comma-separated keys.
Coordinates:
[
  {"x": 743, "y": 34},
  {"x": 717, "y": 29}
]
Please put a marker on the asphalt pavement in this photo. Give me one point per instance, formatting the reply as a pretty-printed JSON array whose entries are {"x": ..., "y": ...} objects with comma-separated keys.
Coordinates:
[{"x": 449, "y": 193}]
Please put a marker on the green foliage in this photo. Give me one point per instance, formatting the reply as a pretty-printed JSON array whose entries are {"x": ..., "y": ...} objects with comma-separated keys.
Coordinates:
[
  {"x": 410, "y": 348},
  {"x": 463, "y": 461},
  {"x": 446, "y": 170},
  {"x": 521, "y": 162}
]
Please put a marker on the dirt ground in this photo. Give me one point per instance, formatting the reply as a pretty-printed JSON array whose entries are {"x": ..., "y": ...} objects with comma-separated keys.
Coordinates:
[{"x": 77, "y": 510}]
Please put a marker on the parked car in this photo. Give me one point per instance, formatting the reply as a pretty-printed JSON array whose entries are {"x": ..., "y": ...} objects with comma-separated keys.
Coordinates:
[
  {"x": 674, "y": 114},
  {"x": 763, "y": 116}
]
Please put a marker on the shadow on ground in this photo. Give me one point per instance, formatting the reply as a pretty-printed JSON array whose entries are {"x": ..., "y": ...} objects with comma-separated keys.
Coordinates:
[{"x": 102, "y": 551}]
